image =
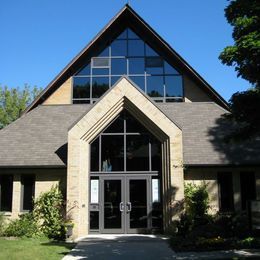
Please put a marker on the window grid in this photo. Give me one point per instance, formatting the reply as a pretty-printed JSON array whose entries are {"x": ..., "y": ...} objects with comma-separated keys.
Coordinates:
[
  {"x": 124, "y": 134},
  {"x": 143, "y": 75}
]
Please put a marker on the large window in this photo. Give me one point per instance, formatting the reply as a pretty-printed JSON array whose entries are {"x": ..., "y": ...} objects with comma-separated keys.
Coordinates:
[
  {"x": 248, "y": 188},
  {"x": 6, "y": 192},
  {"x": 225, "y": 187},
  {"x": 28, "y": 186},
  {"x": 125, "y": 146},
  {"x": 131, "y": 56}
]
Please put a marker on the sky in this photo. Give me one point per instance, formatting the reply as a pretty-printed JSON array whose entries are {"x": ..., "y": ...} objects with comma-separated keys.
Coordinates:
[{"x": 39, "y": 38}]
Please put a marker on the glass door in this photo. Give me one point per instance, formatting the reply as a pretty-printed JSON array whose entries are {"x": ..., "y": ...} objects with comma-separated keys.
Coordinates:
[
  {"x": 112, "y": 217},
  {"x": 137, "y": 204},
  {"x": 125, "y": 204}
]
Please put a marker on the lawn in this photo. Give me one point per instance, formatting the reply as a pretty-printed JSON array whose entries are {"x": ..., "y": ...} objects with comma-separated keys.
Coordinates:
[{"x": 36, "y": 249}]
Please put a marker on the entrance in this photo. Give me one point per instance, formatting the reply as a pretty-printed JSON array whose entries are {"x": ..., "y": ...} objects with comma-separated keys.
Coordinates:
[
  {"x": 126, "y": 204},
  {"x": 125, "y": 179}
]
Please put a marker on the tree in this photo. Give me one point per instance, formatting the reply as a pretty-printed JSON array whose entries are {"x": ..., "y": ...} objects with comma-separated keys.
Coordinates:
[
  {"x": 14, "y": 101},
  {"x": 244, "y": 55}
]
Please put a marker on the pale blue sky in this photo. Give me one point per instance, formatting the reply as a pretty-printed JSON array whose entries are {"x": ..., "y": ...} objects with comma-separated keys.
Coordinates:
[{"x": 39, "y": 38}]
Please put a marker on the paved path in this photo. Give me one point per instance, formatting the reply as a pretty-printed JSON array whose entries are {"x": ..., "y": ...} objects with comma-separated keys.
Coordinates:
[
  {"x": 135, "y": 247},
  {"x": 126, "y": 247}
]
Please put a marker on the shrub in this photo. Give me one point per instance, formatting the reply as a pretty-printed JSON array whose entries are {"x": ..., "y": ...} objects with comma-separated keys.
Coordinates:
[
  {"x": 196, "y": 200},
  {"x": 184, "y": 225},
  {"x": 250, "y": 242},
  {"x": 196, "y": 208},
  {"x": 25, "y": 226},
  {"x": 48, "y": 211},
  {"x": 239, "y": 225},
  {"x": 2, "y": 224}
]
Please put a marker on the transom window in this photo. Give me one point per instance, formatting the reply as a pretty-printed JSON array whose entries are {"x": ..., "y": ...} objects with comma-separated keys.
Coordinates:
[
  {"x": 125, "y": 146},
  {"x": 131, "y": 56}
]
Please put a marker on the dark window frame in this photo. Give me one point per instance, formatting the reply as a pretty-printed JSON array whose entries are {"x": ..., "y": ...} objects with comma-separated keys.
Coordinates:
[
  {"x": 10, "y": 201},
  {"x": 225, "y": 184},
  {"x": 124, "y": 134},
  {"x": 179, "y": 97},
  {"x": 22, "y": 206},
  {"x": 247, "y": 193}
]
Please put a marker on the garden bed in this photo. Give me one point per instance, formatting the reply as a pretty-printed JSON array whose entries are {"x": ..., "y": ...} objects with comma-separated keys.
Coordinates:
[{"x": 186, "y": 244}]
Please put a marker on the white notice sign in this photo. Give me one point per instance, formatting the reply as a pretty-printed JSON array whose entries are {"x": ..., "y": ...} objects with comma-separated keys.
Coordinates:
[
  {"x": 94, "y": 191},
  {"x": 155, "y": 190}
]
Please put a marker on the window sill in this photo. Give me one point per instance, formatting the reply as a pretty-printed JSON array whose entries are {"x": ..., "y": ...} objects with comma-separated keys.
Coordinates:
[
  {"x": 24, "y": 212},
  {"x": 6, "y": 213}
]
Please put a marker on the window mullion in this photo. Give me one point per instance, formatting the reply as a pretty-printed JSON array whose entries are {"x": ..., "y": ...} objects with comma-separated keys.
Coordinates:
[
  {"x": 124, "y": 145},
  {"x": 150, "y": 155},
  {"x": 99, "y": 154}
]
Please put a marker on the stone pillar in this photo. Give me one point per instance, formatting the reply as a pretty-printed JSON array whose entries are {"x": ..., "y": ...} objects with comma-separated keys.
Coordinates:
[{"x": 16, "y": 202}]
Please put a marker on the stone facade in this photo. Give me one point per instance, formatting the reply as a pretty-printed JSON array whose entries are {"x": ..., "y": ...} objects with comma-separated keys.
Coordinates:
[
  {"x": 209, "y": 175},
  {"x": 192, "y": 93},
  {"x": 44, "y": 180},
  {"x": 122, "y": 96},
  {"x": 63, "y": 95}
]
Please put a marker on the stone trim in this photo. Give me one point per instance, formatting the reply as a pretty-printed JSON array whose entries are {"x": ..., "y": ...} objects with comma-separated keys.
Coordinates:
[{"x": 124, "y": 95}]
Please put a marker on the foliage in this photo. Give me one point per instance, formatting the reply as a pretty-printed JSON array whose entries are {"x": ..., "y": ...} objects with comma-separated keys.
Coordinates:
[
  {"x": 250, "y": 242},
  {"x": 244, "y": 16},
  {"x": 36, "y": 248},
  {"x": 196, "y": 200},
  {"x": 14, "y": 101},
  {"x": 222, "y": 231},
  {"x": 25, "y": 226},
  {"x": 196, "y": 208},
  {"x": 2, "y": 224},
  {"x": 48, "y": 212},
  {"x": 243, "y": 106}
]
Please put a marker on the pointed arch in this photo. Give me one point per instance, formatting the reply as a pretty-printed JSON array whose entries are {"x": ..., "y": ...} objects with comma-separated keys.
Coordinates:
[{"x": 124, "y": 95}]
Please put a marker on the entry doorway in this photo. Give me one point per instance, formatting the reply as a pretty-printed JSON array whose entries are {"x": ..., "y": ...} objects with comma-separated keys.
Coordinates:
[
  {"x": 125, "y": 204},
  {"x": 125, "y": 178}
]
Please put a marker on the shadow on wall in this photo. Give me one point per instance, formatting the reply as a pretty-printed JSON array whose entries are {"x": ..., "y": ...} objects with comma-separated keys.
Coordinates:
[
  {"x": 173, "y": 207},
  {"x": 62, "y": 153},
  {"x": 233, "y": 152}
]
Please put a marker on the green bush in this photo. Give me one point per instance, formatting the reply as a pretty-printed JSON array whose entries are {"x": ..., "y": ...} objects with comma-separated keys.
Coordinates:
[
  {"x": 250, "y": 242},
  {"x": 25, "y": 226},
  {"x": 184, "y": 225},
  {"x": 196, "y": 208},
  {"x": 2, "y": 224},
  {"x": 48, "y": 211},
  {"x": 196, "y": 200}
]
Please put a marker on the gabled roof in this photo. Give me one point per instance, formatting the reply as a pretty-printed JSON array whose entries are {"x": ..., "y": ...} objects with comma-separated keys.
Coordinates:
[
  {"x": 127, "y": 17},
  {"x": 44, "y": 142}
]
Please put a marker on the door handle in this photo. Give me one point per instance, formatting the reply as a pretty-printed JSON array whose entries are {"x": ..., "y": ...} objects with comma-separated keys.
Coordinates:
[
  {"x": 129, "y": 206},
  {"x": 121, "y": 206}
]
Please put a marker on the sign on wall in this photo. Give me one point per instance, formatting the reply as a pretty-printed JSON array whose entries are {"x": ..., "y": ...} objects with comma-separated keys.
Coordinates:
[
  {"x": 155, "y": 190},
  {"x": 94, "y": 191},
  {"x": 255, "y": 214}
]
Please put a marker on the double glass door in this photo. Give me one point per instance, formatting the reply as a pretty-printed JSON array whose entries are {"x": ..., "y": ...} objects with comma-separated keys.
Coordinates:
[{"x": 125, "y": 204}]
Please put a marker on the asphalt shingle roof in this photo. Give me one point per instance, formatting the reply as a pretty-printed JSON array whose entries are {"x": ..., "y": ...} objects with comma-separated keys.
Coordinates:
[{"x": 39, "y": 138}]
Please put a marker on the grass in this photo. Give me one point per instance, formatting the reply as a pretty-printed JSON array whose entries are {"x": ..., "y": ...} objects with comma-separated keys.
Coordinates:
[{"x": 37, "y": 249}]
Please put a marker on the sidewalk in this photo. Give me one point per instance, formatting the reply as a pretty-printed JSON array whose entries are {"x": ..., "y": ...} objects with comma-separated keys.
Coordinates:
[
  {"x": 135, "y": 247},
  {"x": 223, "y": 254}
]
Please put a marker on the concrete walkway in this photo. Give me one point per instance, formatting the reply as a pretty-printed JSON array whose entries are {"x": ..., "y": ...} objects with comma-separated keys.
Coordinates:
[{"x": 135, "y": 247}]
